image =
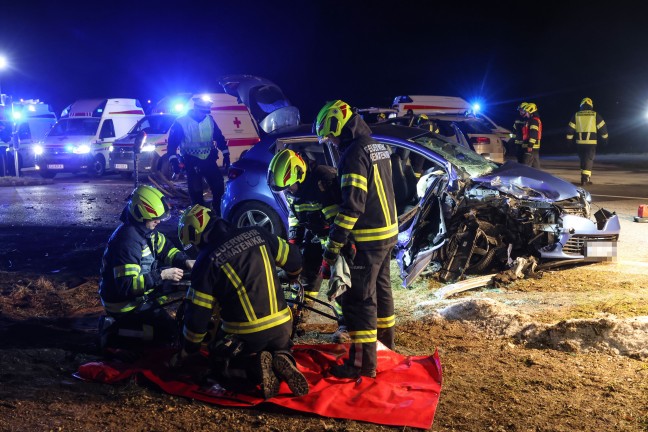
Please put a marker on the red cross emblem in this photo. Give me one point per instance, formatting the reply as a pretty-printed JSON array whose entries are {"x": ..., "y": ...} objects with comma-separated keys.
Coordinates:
[{"x": 237, "y": 122}]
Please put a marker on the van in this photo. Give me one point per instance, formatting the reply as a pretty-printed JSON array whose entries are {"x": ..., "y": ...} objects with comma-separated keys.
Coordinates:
[
  {"x": 427, "y": 104},
  {"x": 80, "y": 141},
  {"x": 233, "y": 119},
  {"x": 28, "y": 121}
]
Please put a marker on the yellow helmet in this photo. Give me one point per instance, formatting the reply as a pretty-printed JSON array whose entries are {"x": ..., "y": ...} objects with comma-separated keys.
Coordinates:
[
  {"x": 522, "y": 106},
  {"x": 286, "y": 168},
  {"x": 332, "y": 118},
  {"x": 530, "y": 108},
  {"x": 192, "y": 224},
  {"x": 587, "y": 101},
  {"x": 148, "y": 203}
]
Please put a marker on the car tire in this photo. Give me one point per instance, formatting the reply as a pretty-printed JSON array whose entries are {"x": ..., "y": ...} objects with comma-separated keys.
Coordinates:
[
  {"x": 98, "y": 167},
  {"x": 257, "y": 213},
  {"x": 47, "y": 174}
]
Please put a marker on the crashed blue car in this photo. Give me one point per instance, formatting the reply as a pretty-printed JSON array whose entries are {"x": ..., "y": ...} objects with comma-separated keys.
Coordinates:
[
  {"x": 456, "y": 209},
  {"x": 466, "y": 213}
]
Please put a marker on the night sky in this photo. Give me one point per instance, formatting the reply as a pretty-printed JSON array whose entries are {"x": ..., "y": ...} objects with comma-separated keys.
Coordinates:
[{"x": 550, "y": 53}]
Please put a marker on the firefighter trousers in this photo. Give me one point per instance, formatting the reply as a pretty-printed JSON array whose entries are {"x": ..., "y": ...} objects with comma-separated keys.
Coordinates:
[
  {"x": 310, "y": 276},
  {"x": 367, "y": 303},
  {"x": 586, "y": 154}
]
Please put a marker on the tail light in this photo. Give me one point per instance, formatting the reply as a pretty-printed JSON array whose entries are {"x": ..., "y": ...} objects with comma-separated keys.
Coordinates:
[
  {"x": 233, "y": 173},
  {"x": 480, "y": 140}
]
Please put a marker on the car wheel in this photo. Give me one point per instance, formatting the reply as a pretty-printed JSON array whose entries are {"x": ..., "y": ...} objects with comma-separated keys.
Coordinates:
[
  {"x": 47, "y": 174},
  {"x": 254, "y": 213},
  {"x": 98, "y": 167}
]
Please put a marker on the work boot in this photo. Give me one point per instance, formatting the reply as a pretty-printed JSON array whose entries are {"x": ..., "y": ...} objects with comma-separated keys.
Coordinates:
[
  {"x": 284, "y": 367},
  {"x": 341, "y": 335},
  {"x": 347, "y": 371},
  {"x": 584, "y": 179},
  {"x": 269, "y": 382}
]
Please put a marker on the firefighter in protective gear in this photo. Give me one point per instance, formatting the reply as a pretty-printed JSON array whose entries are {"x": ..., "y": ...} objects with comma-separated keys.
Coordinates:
[
  {"x": 424, "y": 122},
  {"x": 313, "y": 194},
  {"x": 528, "y": 134},
  {"x": 235, "y": 276},
  {"x": 368, "y": 212},
  {"x": 587, "y": 128},
  {"x": 194, "y": 135},
  {"x": 136, "y": 262}
]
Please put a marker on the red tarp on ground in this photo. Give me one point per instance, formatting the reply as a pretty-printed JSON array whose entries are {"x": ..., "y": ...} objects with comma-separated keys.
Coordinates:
[{"x": 405, "y": 391}]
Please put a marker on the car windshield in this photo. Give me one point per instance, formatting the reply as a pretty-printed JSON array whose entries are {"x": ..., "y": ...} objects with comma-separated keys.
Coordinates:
[
  {"x": 75, "y": 127},
  {"x": 463, "y": 158},
  {"x": 155, "y": 124},
  {"x": 475, "y": 126}
]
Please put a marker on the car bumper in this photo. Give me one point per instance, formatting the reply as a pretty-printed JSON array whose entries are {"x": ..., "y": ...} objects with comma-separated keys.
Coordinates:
[
  {"x": 584, "y": 239},
  {"x": 64, "y": 162},
  {"x": 123, "y": 161}
]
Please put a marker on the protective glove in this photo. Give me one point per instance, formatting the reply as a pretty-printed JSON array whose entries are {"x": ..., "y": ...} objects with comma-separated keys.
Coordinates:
[
  {"x": 349, "y": 252},
  {"x": 325, "y": 270},
  {"x": 331, "y": 251},
  {"x": 175, "y": 164},
  {"x": 172, "y": 274},
  {"x": 226, "y": 160},
  {"x": 292, "y": 241}
]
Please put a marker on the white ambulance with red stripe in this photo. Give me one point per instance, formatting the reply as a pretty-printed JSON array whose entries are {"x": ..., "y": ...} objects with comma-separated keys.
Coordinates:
[{"x": 80, "y": 141}]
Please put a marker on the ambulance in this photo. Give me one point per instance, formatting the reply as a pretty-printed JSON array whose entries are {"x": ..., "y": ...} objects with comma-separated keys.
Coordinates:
[
  {"x": 28, "y": 120},
  {"x": 233, "y": 119},
  {"x": 80, "y": 141}
]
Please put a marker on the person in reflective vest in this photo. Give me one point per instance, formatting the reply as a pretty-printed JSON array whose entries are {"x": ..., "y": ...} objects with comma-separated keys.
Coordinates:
[
  {"x": 193, "y": 135},
  {"x": 587, "y": 128},
  {"x": 234, "y": 277},
  {"x": 368, "y": 212},
  {"x": 138, "y": 259}
]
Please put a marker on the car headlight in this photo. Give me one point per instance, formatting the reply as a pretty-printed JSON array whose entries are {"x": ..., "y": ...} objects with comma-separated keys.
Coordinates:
[
  {"x": 148, "y": 148},
  {"x": 586, "y": 195},
  {"x": 81, "y": 149},
  {"x": 38, "y": 150}
]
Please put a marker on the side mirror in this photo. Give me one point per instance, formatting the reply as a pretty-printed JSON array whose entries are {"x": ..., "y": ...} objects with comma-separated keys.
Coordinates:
[{"x": 140, "y": 140}]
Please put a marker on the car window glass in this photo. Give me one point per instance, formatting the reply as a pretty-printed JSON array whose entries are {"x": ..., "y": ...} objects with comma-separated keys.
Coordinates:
[
  {"x": 309, "y": 147},
  {"x": 24, "y": 133},
  {"x": 465, "y": 160},
  {"x": 107, "y": 129},
  {"x": 75, "y": 127}
]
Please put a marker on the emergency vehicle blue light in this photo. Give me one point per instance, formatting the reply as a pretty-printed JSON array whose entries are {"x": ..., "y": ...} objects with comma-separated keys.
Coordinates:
[
  {"x": 476, "y": 107},
  {"x": 16, "y": 115},
  {"x": 31, "y": 108},
  {"x": 179, "y": 107},
  {"x": 69, "y": 148},
  {"x": 99, "y": 110}
]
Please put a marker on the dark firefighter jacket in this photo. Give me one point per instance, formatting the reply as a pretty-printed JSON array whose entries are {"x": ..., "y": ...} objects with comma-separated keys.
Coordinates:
[
  {"x": 535, "y": 132},
  {"x": 236, "y": 275},
  {"x": 314, "y": 205},
  {"x": 368, "y": 207},
  {"x": 131, "y": 265},
  {"x": 196, "y": 138},
  {"x": 588, "y": 126}
]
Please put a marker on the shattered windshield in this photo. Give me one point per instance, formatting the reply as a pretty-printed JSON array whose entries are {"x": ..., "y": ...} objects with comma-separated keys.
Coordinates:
[
  {"x": 463, "y": 158},
  {"x": 75, "y": 127}
]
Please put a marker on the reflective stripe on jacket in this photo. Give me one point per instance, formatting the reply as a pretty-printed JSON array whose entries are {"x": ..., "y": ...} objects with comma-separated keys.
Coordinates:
[
  {"x": 368, "y": 207},
  {"x": 588, "y": 126},
  {"x": 130, "y": 267},
  {"x": 236, "y": 276}
]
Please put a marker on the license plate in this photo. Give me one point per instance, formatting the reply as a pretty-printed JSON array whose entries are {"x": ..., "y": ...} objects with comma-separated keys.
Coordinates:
[
  {"x": 601, "y": 249},
  {"x": 121, "y": 166},
  {"x": 54, "y": 166}
]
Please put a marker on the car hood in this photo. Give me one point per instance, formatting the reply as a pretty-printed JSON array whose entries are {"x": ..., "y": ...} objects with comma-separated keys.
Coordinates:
[
  {"x": 130, "y": 139},
  {"x": 525, "y": 182},
  {"x": 265, "y": 100}
]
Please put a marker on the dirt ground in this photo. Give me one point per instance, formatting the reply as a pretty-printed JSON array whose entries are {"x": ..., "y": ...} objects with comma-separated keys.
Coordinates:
[{"x": 565, "y": 352}]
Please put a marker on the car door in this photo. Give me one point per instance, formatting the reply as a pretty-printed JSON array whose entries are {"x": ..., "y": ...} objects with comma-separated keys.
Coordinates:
[{"x": 421, "y": 226}]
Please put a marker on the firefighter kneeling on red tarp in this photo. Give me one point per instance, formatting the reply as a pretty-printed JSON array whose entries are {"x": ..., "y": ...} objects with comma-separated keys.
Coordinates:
[
  {"x": 234, "y": 276},
  {"x": 136, "y": 263}
]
